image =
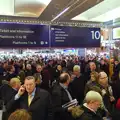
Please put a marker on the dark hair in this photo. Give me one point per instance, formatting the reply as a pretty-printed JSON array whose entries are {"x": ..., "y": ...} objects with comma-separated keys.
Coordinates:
[
  {"x": 9, "y": 67},
  {"x": 64, "y": 77},
  {"x": 20, "y": 115},
  {"x": 29, "y": 78},
  {"x": 21, "y": 67}
]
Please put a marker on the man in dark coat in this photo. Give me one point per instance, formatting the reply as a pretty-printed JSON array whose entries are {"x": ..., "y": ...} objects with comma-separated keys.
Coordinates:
[
  {"x": 91, "y": 68},
  {"x": 35, "y": 100},
  {"x": 77, "y": 86},
  {"x": 61, "y": 96}
]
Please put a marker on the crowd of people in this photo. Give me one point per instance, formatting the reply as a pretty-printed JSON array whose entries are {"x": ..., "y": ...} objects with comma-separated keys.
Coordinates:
[{"x": 38, "y": 87}]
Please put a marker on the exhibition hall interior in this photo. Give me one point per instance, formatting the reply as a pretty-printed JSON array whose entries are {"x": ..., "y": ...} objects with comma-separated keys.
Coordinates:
[{"x": 59, "y": 59}]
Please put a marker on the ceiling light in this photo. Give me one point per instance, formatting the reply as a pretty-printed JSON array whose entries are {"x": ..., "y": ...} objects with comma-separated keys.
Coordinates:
[
  {"x": 65, "y": 10},
  {"x": 24, "y": 14}
]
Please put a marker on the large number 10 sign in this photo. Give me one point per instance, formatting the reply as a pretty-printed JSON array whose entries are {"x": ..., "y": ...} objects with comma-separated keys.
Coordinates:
[{"x": 96, "y": 35}]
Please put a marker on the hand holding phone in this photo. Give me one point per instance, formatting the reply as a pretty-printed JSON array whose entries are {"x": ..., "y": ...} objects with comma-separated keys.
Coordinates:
[{"x": 21, "y": 90}]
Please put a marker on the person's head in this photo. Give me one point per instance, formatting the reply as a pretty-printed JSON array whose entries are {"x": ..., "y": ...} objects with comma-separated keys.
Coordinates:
[
  {"x": 92, "y": 66},
  {"x": 65, "y": 79},
  {"x": 59, "y": 67},
  {"x": 20, "y": 115},
  {"x": 103, "y": 79},
  {"x": 21, "y": 67},
  {"x": 94, "y": 76},
  {"x": 15, "y": 83},
  {"x": 50, "y": 62},
  {"x": 116, "y": 62},
  {"x": 11, "y": 68},
  {"x": 39, "y": 68},
  {"x": 93, "y": 100},
  {"x": 112, "y": 60},
  {"x": 72, "y": 76},
  {"x": 102, "y": 62},
  {"x": 76, "y": 70},
  {"x": 5, "y": 64},
  {"x": 30, "y": 84},
  {"x": 28, "y": 67}
]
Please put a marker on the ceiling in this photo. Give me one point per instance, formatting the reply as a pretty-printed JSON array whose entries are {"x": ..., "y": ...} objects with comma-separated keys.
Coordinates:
[
  {"x": 102, "y": 12},
  {"x": 23, "y": 8},
  {"x": 62, "y": 10}
]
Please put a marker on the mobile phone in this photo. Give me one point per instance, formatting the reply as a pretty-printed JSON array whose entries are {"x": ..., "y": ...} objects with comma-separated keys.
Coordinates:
[{"x": 23, "y": 87}]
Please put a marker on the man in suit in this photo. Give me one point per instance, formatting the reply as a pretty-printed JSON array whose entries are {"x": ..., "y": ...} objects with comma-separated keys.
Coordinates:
[
  {"x": 61, "y": 96},
  {"x": 35, "y": 100}
]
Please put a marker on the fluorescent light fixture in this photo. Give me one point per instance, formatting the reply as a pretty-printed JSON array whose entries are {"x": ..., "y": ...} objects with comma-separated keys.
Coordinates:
[{"x": 65, "y": 10}]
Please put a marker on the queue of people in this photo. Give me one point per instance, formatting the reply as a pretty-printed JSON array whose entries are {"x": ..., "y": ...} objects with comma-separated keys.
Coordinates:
[{"x": 39, "y": 89}]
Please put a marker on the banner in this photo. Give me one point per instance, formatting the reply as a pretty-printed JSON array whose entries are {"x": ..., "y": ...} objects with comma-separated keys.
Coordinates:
[{"x": 23, "y": 35}]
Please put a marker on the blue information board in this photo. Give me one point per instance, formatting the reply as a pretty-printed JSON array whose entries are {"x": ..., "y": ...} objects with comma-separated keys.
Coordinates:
[
  {"x": 23, "y": 35},
  {"x": 62, "y": 36},
  {"x": 28, "y": 35}
]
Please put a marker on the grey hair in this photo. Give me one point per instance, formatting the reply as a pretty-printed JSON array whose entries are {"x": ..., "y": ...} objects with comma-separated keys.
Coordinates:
[
  {"x": 28, "y": 65},
  {"x": 76, "y": 68},
  {"x": 93, "y": 96}
]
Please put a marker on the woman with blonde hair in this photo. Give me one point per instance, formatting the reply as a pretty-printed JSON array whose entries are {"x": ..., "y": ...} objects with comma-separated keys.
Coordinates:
[{"x": 20, "y": 115}]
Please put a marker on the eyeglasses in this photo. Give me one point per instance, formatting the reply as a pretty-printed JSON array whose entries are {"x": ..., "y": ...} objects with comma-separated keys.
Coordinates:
[
  {"x": 104, "y": 78},
  {"x": 39, "y": 68}
]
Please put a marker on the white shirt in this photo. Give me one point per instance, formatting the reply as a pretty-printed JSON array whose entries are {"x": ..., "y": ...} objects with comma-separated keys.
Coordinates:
[{"x": 85, "y": 105}]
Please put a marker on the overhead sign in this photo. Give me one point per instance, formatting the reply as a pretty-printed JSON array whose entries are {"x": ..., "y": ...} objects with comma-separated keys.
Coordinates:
[
  {"x": 62, "y": 36},
  {"x": 28, "y": 35},
  {"x": 23, "y": 35}
]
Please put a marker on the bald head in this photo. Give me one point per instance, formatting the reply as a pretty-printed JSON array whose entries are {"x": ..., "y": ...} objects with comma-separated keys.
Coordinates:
[
  {"x": 103, "y": 79},
  {"x": 64, "y": 78}
]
